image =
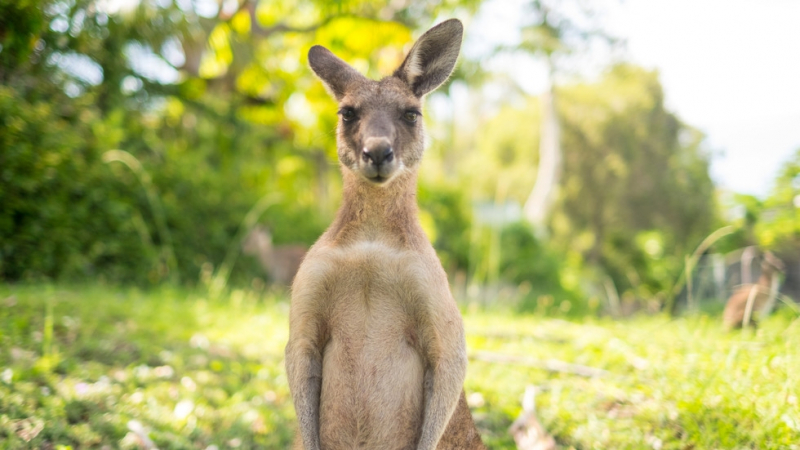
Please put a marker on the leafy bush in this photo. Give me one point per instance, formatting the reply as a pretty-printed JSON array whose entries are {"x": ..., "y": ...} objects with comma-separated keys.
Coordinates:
[
  {"x": 67, "y": 214},
  {"x": 447, "y": 207},
  {"x": 63, "y": 213},
  {"x": 538, "y": 269}
]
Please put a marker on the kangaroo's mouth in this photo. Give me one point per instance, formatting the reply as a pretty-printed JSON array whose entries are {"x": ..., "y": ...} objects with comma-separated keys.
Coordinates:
[{"x": 379, "y": 175}]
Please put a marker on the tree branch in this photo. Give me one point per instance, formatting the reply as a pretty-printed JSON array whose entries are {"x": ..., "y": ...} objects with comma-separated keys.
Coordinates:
[{"x": 282, "y": 27}]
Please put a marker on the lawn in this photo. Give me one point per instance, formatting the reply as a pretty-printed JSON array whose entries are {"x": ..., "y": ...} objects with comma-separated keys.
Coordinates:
[{"x": 98, "y": 366}]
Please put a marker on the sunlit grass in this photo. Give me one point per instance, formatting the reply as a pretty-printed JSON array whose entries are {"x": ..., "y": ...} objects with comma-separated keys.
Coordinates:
[
  {"x": 672, "y": 384},
  {"x": 194, "y": 373},
  {"x": 123, "y": 366}
]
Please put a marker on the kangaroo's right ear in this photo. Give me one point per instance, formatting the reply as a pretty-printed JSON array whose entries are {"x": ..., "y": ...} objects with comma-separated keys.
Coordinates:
[{"x": 336, "y": 74}]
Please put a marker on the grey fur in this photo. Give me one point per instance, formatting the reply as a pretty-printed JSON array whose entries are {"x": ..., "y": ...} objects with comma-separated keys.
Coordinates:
[{"x": 433, "y": 57}]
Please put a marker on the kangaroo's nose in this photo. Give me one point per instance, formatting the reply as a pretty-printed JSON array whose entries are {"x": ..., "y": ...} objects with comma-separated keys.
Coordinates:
[{"x": 378, "y": 150}]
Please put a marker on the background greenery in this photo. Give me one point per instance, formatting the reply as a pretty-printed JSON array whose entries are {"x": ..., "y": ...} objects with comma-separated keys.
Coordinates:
[{"x": 216, "y": 106}]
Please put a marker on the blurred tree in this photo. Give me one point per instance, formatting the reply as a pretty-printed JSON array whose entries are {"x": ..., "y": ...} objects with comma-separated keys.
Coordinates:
[
  {"x": 637, "y": 188},
  {"x": 558, "y": 30},
  {"x": 777, "y": 226},
  {"x": 215, "y": 102},
  {"x": 503, "y": 151},
  {"x": 635, "y": 195},
  {"x": 212, "y": 98}
]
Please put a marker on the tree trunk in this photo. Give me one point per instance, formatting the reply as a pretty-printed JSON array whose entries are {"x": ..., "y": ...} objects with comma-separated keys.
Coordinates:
[{"x": 548, "y": 176}]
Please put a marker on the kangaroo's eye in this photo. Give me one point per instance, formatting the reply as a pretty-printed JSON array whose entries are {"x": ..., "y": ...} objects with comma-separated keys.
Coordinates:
[
  {"x": 348, "y": 114},
  {"x": 410, "y": 116}
]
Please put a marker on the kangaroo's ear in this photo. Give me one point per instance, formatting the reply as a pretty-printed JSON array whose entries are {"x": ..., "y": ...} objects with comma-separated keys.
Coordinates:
[
  {"x": 432, "y": 58},
  {"x": 335, "y": 73}
]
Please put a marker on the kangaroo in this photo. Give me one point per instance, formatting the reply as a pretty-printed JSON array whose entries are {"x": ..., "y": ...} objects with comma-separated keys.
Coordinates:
[
  {"x": 280, "y": 262},
  {"x": 753, "y": 297},
  {"x": 376, "y": 357}
]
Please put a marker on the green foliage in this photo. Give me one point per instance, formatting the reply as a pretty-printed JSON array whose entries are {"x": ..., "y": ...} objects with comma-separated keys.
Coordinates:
[
  {"x": 779, "y": 224},
  {"x": 445, "y": 207},
  {"x": 528, "y": 262},
  {"x": 635, "y": 195},
  {"x": 63, "y": 213},
  {"x": 219, "y": 112},
  {"x": 21, "y": 21},
  {"x": 506, "y": 153},
  {"x": 632, "y": 167},
  {"x": 772, "y": 223}
]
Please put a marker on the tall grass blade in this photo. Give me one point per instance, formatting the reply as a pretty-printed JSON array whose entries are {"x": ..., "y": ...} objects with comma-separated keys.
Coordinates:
[
  {"x": 220, "y": 279},
  {"x": 135, "y": 166}
]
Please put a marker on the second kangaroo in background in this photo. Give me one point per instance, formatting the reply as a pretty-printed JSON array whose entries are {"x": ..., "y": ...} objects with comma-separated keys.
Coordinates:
[
  {"x": 280, "y": 262},
  {"x": 376, "y": 357},
  {"x": 752, "y": 298}
]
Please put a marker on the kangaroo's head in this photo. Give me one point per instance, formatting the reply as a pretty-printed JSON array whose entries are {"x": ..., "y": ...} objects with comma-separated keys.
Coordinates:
[{"x": 380, "y": 130}]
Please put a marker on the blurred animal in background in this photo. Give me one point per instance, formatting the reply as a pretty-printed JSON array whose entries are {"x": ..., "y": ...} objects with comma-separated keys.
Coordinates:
[
  {"x": 280, "y": 262},
  {"x": 527, "y": 430},
  {"x": 759, "y": 297}
]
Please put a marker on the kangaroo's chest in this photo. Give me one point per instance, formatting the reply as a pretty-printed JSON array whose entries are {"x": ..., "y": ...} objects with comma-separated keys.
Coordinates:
[
  {"x": 372, "y": 361},
  {"x": 375, "y": 290}
]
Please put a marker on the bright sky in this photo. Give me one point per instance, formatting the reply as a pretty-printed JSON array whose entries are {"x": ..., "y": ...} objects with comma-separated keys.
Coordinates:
[{"x": 729, "y": 67}]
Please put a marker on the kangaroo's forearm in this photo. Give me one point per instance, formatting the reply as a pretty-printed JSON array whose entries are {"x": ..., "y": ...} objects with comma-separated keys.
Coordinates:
[
  {"x": 442, "y": 389},
  {"x": 304, "y": 370}
]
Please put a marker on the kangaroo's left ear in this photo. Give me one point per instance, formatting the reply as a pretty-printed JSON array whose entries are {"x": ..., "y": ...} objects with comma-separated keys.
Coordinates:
[{"x": 433, "y": 57}]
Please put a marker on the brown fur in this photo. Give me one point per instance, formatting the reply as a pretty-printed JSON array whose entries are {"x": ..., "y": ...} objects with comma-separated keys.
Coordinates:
[
  {"x": 280, "y": 262},
  {"x": 734, "y": 313},
  {"x": 376, "y": 357}
]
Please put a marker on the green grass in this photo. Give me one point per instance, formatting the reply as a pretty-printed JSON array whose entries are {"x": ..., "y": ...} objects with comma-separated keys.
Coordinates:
[{"x": 79, "y": 366}]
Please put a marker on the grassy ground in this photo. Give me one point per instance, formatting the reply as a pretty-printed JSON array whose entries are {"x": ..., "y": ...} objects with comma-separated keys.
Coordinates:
[{"x": 98, "y": 366}]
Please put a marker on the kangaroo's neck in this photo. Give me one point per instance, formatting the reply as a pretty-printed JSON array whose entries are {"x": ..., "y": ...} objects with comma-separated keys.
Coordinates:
[{"x": 376, "y": 212}]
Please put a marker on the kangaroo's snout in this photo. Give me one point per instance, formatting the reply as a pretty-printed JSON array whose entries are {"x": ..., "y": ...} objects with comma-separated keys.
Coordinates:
[
  {"x": 378, "y": 163},
  {"x": 377, "y": 151}
]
